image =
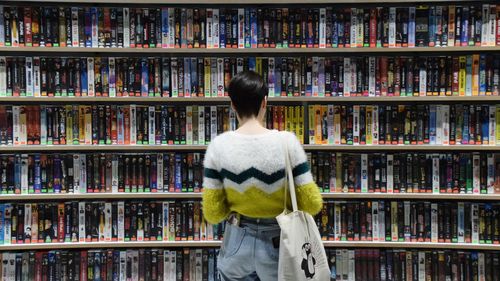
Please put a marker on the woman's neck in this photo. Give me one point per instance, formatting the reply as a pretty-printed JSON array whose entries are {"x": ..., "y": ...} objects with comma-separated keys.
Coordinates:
[{"x": 251, "y": 126}]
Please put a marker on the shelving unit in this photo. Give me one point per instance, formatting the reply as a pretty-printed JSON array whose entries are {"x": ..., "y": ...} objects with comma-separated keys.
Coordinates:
[{"x": 277, "y": 100}]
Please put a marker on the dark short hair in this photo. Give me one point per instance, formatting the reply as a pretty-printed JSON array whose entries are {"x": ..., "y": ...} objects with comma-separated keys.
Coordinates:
[{"x": 247, "y": 90}]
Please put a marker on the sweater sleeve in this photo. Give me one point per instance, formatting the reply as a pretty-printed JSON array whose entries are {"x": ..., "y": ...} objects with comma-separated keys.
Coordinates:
[
  {"x": 308, "y": 196},
  {"x": 215, "y": 206}
]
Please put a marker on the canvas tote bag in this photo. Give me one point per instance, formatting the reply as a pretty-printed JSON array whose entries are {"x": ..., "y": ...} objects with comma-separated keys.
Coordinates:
[{"x": 301, "y": 255}]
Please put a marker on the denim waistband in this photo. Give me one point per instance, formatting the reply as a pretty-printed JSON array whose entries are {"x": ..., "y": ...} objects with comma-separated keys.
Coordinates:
[{"x": 261, "y": 221}]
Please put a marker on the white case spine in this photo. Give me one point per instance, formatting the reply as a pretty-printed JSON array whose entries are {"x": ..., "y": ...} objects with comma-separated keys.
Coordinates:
[
  {"x": 216, "y": 29},
  {"x": 271, "y": 78},
  {"x": 381, "y": 219},
  {"x": 209, "y": 33},
  {"x": 347, "y": 77},
  {"x": 372, "y": 64},
  {"x": 375, "y": 222},
  {"x": 407, "y": 212},
  {"x": 439, "y": 123},
  {"x": 189, "y": 125},
  {"x": 435, "y": 173},
  {"x": 475, "y": 223},
  {"x": 133, "y": 124},
  {"x": 126, "y": 27},
  {"x": 375, "y": 125},
  {"x": 352, "y": 266},
  {"x": 152, "y": 125},
  {"x": 220, "y": 77},
  {"x": 446, "y": 124},
  {"x": 175, "y": 77},
  {"x": 422, "y": 73},
  {"x": 491, "y": 173},
  {"x": 121, "y": 221},
  {"x": 123, "y": 266},
  {"x": 492, "y": 125},
  {"x": 29, "y": 76},
  {"x": 114, "y": 174},
  {"x": 3, "y": 76},
  {"x": 201, "y": 125},
  {"x": 390, "y": 173},
  {"x": 364, "y": 173},
  {"x": 354, "y": 29},
  {"x": 421, "y": 265},
  {"x": 16, "y": 131},
  {"x": 481, "y": 264},
  {"x": 83, "y": 173},
  {"x": 476, "y": 173},
  {"x": 159, "y": 172},
  {"x": 107, "y": 221},
  {"x": 24, "y": 173},
  {"x": 322, "y": 27},
  {"x": 27, "y": 220},
  {"x": 81, "y": 221},
  {"x": 411, "y": 26},
  {"x": 171, "y": 28},
  {"x": 76, "y": 173},
  {"x": 485, "y": 27},
  {"x": 75, "y": 41},
  {"x": 8, "y": 224},
  {"x": 90, "y": 77},
  {"x": 492, "y": 28},
  {"x": 36, "y": 76},
  {"x": 434, "y": 222},
  {"x": 392, "y": 27}
]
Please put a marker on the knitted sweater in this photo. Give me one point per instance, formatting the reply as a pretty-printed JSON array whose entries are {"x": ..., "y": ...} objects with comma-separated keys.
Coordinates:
[{"x": 246, "y": 174}]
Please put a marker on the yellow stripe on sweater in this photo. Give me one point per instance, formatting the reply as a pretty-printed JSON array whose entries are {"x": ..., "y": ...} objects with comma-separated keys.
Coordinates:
[{"x": 218, "y": 203}]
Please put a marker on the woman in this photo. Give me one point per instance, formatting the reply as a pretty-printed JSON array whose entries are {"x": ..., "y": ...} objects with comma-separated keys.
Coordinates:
[{"x": 245, "y": 183}]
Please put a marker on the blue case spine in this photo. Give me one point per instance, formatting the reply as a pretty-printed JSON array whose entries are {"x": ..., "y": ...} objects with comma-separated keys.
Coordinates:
[
  {"x": 253, "y": 27},
  {"x": 248, "y": 32},
  {"x": 465, "y": 131},
  {"x": 222, "y": 29},
  {"x": 464, "y": 36}
]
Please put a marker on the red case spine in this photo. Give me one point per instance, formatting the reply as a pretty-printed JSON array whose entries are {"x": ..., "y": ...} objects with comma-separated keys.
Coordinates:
[{"x": 373, "y": 27}]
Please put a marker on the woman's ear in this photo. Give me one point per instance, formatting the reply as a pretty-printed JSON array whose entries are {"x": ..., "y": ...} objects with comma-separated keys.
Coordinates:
[{"x": 264, "y": 103}]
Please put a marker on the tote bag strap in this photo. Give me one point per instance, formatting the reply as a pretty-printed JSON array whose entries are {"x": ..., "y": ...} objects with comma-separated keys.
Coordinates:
[{"x": 289, "y": 177}]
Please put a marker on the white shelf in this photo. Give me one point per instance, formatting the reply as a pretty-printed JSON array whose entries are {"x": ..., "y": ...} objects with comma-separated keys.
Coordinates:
[
  {"x": 307, "y": 147},
  {"x": 198, "y": 195},
  {"x": 236, "y": 2},
  {"x": 280, "y": 100},
  {"x": 199, "y": 244},
  {"x": 242, "y": 51}
]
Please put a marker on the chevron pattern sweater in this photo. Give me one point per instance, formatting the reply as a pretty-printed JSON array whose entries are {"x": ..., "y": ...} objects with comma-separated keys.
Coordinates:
[{"x": 246, "y": 174}]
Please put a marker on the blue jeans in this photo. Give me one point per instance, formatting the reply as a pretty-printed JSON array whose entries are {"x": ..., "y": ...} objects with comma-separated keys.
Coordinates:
[{"x": 248, "y": 252}]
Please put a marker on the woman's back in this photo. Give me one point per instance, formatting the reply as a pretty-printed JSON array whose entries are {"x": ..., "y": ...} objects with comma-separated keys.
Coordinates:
[{"x": 248, "y": 173}]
